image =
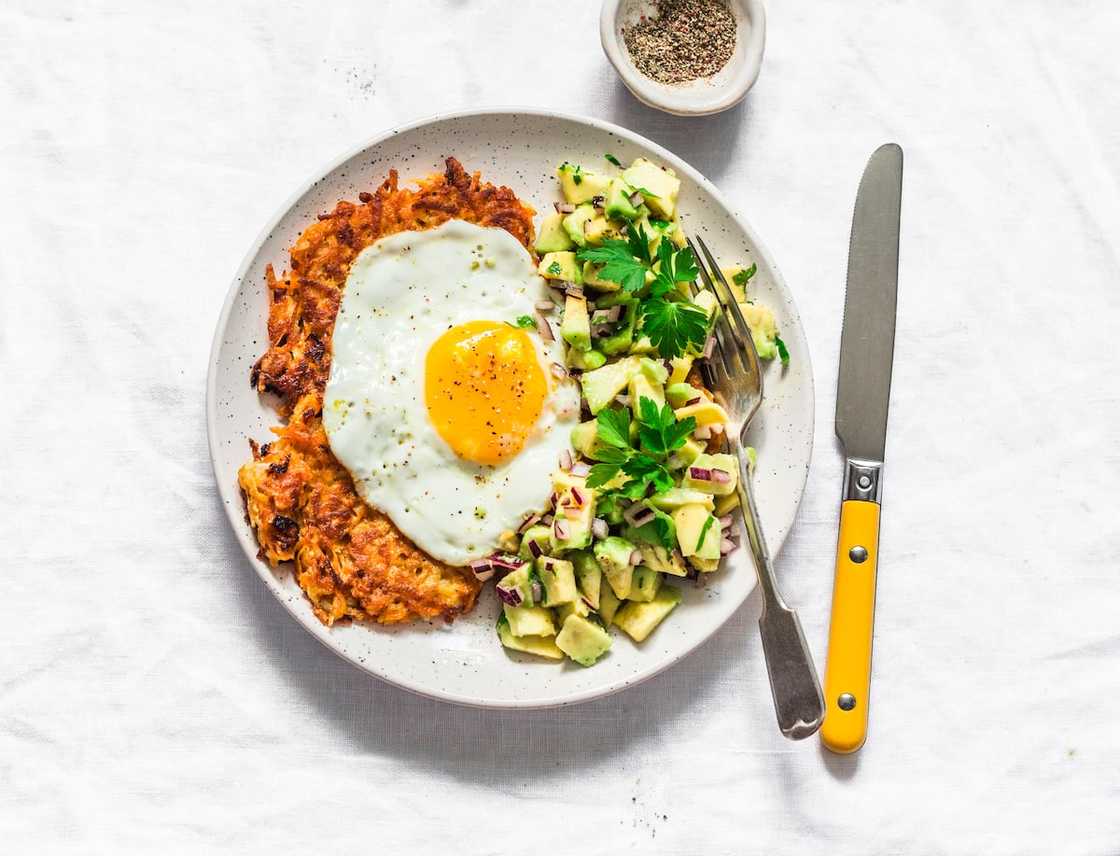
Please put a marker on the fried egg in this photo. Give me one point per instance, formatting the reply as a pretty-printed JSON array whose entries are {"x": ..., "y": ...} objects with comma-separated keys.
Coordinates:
[{"x": 447, "y": 413}]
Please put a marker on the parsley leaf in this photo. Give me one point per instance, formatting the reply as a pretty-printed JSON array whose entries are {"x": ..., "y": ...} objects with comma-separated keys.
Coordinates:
[
  {"x": 674, "y": 326},
  {"x": 601, "y": 474},
  {"x": 525, "y": 321},
  {"x": 744, "y": 276},
  {"x": 638, "y": 241},
  {"x": 659, "y": 429},
  {"x": 704, "y": 531},
  {"x": 554, "y": 268},
  {"x": 660, "y": 531},
  {"x": 783, "y": 351},
  {"x": 613, "y": 159},
  {"x": 618, "y": 263},
  {"x": 675, "y": 266},
  {"x": 645, "y": 471},
  {"x": 614, "y": 427}
]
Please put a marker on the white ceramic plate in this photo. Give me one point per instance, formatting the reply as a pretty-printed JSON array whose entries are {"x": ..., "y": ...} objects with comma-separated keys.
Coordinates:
[{"x": 463, "y": 662}]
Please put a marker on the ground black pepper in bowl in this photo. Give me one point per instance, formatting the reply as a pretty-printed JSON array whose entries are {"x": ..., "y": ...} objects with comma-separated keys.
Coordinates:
[{"x": 688, "y": 40}]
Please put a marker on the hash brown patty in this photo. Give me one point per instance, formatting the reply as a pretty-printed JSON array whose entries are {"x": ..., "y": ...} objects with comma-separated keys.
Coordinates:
[{"x": 350, "y": 560}]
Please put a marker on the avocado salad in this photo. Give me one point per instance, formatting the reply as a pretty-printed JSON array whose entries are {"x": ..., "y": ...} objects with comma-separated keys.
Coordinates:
[{"x": 644, "y": 495}]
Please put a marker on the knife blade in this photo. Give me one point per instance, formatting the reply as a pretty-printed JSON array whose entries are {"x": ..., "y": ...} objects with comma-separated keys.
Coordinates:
[{"x": 862, "y": 404}]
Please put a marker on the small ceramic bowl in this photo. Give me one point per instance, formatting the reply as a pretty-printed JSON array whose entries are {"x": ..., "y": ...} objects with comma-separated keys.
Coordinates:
[{"x": 700, "y": 97}]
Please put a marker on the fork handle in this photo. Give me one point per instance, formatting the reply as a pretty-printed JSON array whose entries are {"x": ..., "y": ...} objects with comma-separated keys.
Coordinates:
[{"x": 794, "y": 685}]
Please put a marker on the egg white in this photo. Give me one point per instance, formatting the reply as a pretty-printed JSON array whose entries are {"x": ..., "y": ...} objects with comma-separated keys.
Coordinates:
[{"x": 403, "y": 293}]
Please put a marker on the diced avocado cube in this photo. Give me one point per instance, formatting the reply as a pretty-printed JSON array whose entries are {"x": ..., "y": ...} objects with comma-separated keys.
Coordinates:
[
  {"x": 585, "y": 361},
  {"x": 613, "y": 555},
  {"x": 659, "y": 559},
  {"x": 576, "y": 607},
  {"x": 571, "y": 528},
  {"x": 592, "y": 279},
  {"x": 642, "y": 345},
  {"x": 560, "y": 265},
  {"x": 675, "y": 497},
  {"x": 582, "y": 639},
  {"x": 603, "y": 384},
  {"x": 638, "y": 620},
  {"x": 529, "y": 620},
  {"x": 618, "y": 200},
  {"x": 563, "y": 480},
  {"x": 698, "y": 532},
  {"x": 679, "y": 394},
  {"x": 619, "y": 341},
  {"x": 580, "y": 185},
  {"x": 654, "y": 369},
  {"x": 600, "y": 229},
  {"x": 705, "y": 413},
  {"x": 707, "y": 301},
  {"x": 608, "y": 605},
  {"x": 585, "y": 440},
  {"x": 658, "y": 186},
  {"x": 575, "y": 329},
  {"x": 686, "y": 454},
  {"x": 542, "y": 646},
  {"x": 703, "y": 565},
  {"x": 520, "y": 580},
  {"x": 722, "y": 462},
  {"x": 681, "y": 367},
  {"x": 589, "y": 576},
  {"x": 558, "y": 579},
  {"x": 576, "y": 223},
  {"x": 540, "y": 535},
  {"x": 764, "y": 329},
  {"x": 645, "y": 584},
  {"x": 552, "y": 237},
  {"x": 640, "y": 387},
  {"x": 726, "y": 504}
]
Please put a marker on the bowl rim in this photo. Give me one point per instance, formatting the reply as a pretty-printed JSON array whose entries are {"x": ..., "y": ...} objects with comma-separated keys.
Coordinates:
[{"x": 684, "y": 102}]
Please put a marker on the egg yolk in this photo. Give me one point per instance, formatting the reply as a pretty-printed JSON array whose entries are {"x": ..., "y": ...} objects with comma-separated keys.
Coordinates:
[{"x": 484, "y": 389}]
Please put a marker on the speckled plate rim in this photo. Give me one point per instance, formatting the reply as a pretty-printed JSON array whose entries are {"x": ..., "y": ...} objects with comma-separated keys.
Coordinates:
[{"x": 229, "y": 493}]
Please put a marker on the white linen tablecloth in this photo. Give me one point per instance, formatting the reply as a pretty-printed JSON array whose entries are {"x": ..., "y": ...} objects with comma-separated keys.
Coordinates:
[{"x": 155, "y": 699}]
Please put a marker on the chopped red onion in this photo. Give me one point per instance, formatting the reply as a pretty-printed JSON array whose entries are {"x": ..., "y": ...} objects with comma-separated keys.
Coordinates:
[
  {"x": 693, "y": 401},
  {"x": 573, "y": 290},
  {"x": 721, "y": 476},
  {"x": 545, "y": 305},
  {"x": 699, "y": 474},
  {"x": 506, "y": 562},
  {"x": 566, "y": 459},
  {"x": 558, "y": 371},
  {"x": 702, "y": 433},
  {"x": 638, "y": 514},
  {"x": 725, "y": 521},
  {"x": 599, "y": 528},
  {"x": 529, "y": 521},
  {"x": 600, "y": 331},
  {"x": 636, "y": 557},
  {"x": 716, "y": 428},
  {"x": 544, "y": 328},
  {"x": 606, "y": 316},
  {"x": 535, "y": 549},
  {"x": 482, "y": 569},
  {"x": 580, "y": 469},
  {"x": 578, "y": 497},
  {"x": 562, "y": 529},
  {"x": 564, "y": 207},
  {"x": 623, "y": 399},
  {"x": 511, "y": 595},
  {"x": 636, "y": 199},
  {"x": 536, "y": 590},
  {"x": 709, "y": 348},
  {"x": 727, "y": 547}
]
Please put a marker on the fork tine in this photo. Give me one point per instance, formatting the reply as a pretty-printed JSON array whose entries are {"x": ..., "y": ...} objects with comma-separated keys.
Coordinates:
[
  {"x": 722, "y": 345},
  {"x": 730, "y": 306}
]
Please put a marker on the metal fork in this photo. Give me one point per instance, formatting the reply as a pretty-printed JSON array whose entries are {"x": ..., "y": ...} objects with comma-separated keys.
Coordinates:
[{"x": 735, "y": 372}]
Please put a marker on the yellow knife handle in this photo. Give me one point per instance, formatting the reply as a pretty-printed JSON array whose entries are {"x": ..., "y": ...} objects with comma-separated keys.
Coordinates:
[{"x": 847, "y": 677}]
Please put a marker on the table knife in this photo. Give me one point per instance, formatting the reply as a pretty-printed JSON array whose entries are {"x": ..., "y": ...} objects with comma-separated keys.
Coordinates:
[{"x": 862, "y": 399}]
